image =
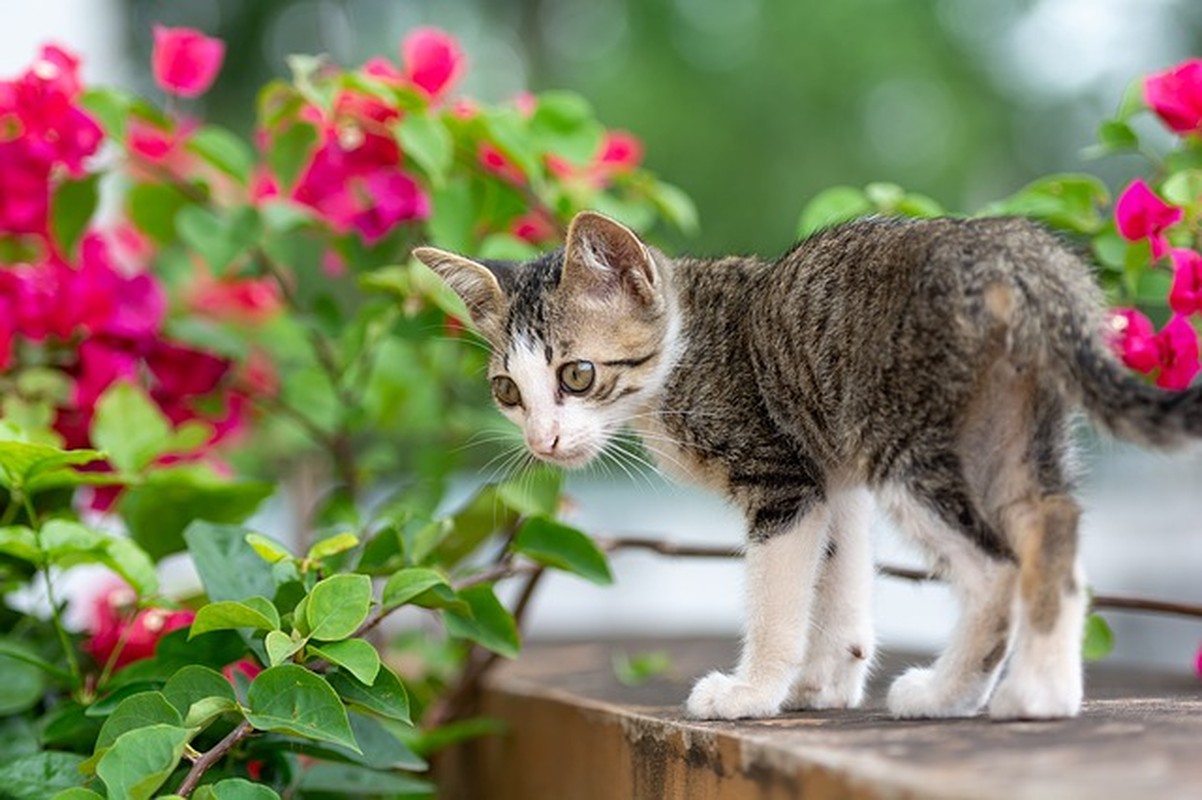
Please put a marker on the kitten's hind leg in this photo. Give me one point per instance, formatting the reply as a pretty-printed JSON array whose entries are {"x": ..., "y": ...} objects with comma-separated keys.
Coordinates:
[
  {"x": 840, "y": 647},
  {"x": 1044, "y": 677},
  {"x": 780, "y": 576},
  {"x": 960, "y": 680}
]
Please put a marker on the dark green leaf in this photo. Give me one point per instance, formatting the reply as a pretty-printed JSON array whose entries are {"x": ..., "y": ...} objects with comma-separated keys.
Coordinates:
[
  {"x": 1071, "y": 202},
  {"x": 234, "y": 789},
  {"x": 110, "y": 107},
  {"x": 192, "y": 684},
  {"x": 291, "y": 699},
  {"x": 72, "y": 207},
  {"x": 280, "y": 647},
  {"x": 218, "y": 239},
  {"x": 137, "y": 711},
  {"x": 159, "y": 510},
  {"x": 141, "y": 760},
  {"x": 250, "y": 612},
  {"x": 490, "y": 624},
  {"x": 24, "y": 680},
  {"x": 557, "y": 545},
  {"x": 485, "y": 515},
  {"x": 17, "y": 738},
  {"x": 407, "y": 584},
  {"x": 152, "y": 208},
  {"x": 1114, "y": 136},
  {"x": 289, "y": 152},
  {"x": 385, "y": 696},
  {"x": 351, "y": 779},
  {"x": 354, "y": 655},
  {"x": 77, "y": 793},
  {"x": 229, "y": 568},
  {"x": 337, "y": 606},
  {"x": 38, "y": 776}
]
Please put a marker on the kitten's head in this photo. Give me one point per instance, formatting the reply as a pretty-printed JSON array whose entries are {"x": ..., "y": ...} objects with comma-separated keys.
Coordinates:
[{"x": 582, "y": 337}]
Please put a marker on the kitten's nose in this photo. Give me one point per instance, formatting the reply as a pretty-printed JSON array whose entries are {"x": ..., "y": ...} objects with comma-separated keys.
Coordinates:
[{"x": 544, "y": 443}]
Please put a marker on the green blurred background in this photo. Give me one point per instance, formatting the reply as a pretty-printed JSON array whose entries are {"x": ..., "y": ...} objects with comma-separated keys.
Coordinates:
[{"x": 753, "y": 106}]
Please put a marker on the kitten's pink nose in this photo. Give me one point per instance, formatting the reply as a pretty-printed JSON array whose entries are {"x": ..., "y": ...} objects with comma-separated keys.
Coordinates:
[{"x": 543, "y": 443}]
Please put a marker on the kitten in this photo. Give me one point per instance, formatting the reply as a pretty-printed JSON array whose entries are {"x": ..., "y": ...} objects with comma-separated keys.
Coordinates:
[{"x": 933, "y": 364}]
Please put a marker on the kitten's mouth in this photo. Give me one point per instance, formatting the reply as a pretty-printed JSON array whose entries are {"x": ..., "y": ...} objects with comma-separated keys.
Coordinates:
[{"x": 568, "y": 459}]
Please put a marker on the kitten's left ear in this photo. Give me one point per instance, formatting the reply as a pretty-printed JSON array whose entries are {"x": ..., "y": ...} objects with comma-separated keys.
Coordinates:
[{"x": 605, "y": 259}]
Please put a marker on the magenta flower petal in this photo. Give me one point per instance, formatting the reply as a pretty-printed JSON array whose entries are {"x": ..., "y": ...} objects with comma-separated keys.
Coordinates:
[
  {"x": 1175, "y": 95},
  {"x": 1141, "y": 214},
  {"x": 1178, "y": 354},
  {"x": 433, "y": 60},
  {"x": 1185, "y": 297},
  {"x": 1135, "y": 340},
  {"x": 185, "y": 62}
]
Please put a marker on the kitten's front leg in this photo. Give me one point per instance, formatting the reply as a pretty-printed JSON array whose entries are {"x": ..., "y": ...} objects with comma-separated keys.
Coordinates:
[
  {"x": 840, "y": 648},
  {"x": 780, "y": 576}
]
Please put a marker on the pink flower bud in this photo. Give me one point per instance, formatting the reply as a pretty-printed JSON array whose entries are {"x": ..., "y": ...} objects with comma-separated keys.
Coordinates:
[
  {"x": 1141, "y": 214},
  {"x": 1176, "y": 96},
  {"x": 185, "y": 62},
  {"x": 433, "y": 60}
]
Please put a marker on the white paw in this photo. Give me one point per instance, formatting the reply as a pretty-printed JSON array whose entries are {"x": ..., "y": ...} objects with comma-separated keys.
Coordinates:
[
  {"x": 1016, "y": 698},
  {"x": 721, "y": 696},
  {"x": 828, "y": 689},
  {"x": 919, "y": 693}
]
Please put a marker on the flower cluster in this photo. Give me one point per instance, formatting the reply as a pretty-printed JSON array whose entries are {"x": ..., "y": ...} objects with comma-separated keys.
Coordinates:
[
  {"x": 1143, "y": 215},
  {"x": 93, "y": 309}
]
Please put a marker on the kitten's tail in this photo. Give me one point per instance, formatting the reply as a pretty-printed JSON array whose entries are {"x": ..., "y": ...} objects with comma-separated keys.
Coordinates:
[{"x": 1115, "y": 397}]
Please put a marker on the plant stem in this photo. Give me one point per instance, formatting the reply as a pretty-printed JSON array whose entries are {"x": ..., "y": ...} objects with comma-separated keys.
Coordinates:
[
  {"x": 211, "y": 757},
  {"x": 55, "y": 615}
]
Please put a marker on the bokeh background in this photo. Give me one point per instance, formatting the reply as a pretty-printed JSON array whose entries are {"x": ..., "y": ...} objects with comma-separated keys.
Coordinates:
[{"x": 753, "y": 106}]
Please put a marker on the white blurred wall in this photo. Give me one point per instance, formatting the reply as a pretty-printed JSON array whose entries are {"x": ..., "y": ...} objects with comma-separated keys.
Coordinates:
[{"x": 93, "y": 29}]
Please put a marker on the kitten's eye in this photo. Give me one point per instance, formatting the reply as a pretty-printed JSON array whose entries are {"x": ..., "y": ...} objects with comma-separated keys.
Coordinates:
[
  {"x": 506, "y": 391},
  {"x": 577, "y": 376}
]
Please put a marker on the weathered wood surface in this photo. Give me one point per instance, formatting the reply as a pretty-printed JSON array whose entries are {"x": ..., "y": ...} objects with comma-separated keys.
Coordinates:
[{"x": 575, "y": 733}]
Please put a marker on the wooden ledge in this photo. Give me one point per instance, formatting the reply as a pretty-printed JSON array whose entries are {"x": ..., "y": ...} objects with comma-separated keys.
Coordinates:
[{"x": 575, "y": 733}]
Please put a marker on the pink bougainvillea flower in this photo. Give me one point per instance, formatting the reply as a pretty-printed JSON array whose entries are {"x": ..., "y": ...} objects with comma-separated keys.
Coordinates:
[
  {"x": 1141, "y": 214},
  {"x": 533, "y": 227},
  {"x": 1134, "y": 340},
  {"x": 383, "y": 70},
  {"x": 1178, "y": 354},
  {"x": 123, "y": 634},
  {"x": 185, "y": 62},
  {"x": 1176, "y": 96},
  {"x": 498, "y": 163},
  {"x": 394, "y": 198},
  {"x": 619, "y": 152},
  {"x": 1198, "y": 662},
  {"x": 153, "y": 143},
  {"x": 1186, "y": 295},
  {"x": 182, "y": 372},
  {"x": 24, "y": 188},
  {"x": 248, "y": 301},
  {"x": 333, "y": 265},
  {"x": 248, "y": 668},
  {"x": 433, "y": 60}
]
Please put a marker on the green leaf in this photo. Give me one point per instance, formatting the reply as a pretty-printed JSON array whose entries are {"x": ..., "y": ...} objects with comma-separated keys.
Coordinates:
[
  {"x": 158, "y": 511},
  {"x": 1132, "y": 101},
  {"x": 355, "y": 780},
  {"x": 483, "y": 516},
  {"x": 490, "y": 624},
  {"x": 195, "y": 684},
  {"x": 638, "y": 669},
  {"x": 1098, "y": 640},
  {"x": 1114, "y": 136},
  {"x": 140, "y": 761},
  {"x": 20, "y": 542},
  {"x": 77, "y": 793},
  {"x": 223, "y": 150},
  {"x": 508, "y": 131},
  {"x": 152, "y": 208},
  {"x": 132, "y": 563},
  {"x": 17, "y": 738},
  {"x": 354, "y": 655},
  {"x": 71, "y": 209},
  {"x": 1070, "y": 202},
  {"x": 137, "y": 711},
  {"x": 218, "y": 240},
  {"x": 557, "y": 545},
  {"x": 332, "y": 546},
  {"x": 832, "y": 206},
  {"x": 130, "y": 427},
  {"x": 454, "y": 207},
  {"x": 337, "y": 606},
  {"x": 289, "y": 152},
  {"x": 67, "y": 544},
  {"x": 385, "y": 695},
  {"x": 251, "y": 612},
  {"x": 268, "y": 549},
  {"x": 24, "y": 681},
  {"x": 1183, "y": 188},
  {"x": 291, "y": 699},
  {"x": 536, "y": 492},
  {"x": 280, "y": 647},
  {"x": 229, "y": 568},
  {"x": 406, "y": 584},
  {"x": 38, "y": 776},
  {"x": 23, "y": 465},
  {"x": 677, "y": 206},
  {"x": 110, "y": 107},
  {"x": 563, "y": 124},
  {"x": 234, "y": 789},
  {"x": 426, "y": 139}
]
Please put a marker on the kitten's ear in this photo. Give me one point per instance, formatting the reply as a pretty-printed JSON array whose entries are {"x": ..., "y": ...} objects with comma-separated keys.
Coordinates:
[
  {"x": 473, "y": 282},
  {"x": 605, "y": 260}
]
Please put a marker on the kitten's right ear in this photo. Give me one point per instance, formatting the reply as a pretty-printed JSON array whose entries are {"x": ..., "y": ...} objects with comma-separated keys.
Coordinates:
[{"x": 473, "y": 282}]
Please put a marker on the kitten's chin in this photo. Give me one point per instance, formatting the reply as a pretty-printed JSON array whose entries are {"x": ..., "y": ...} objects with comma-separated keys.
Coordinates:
[{"x": 571, "y": 459}]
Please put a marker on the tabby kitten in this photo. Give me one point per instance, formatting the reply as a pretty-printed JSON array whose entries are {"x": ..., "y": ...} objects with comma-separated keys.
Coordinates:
[{"x": 933, "y": 364}]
